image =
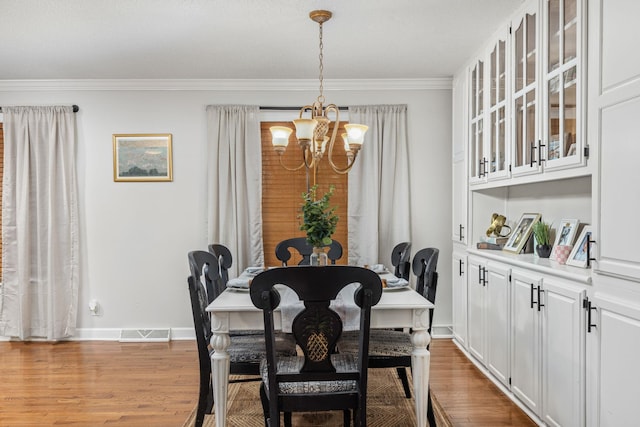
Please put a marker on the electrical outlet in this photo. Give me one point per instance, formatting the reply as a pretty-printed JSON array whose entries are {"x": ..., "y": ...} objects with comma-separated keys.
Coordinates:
[{"x": 94, "y": 307}]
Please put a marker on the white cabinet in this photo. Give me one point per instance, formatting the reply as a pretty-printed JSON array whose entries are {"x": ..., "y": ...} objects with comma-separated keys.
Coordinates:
[
  {"x": 476, "y": 297},
  {"x": 525, "y": 54},
  {"x": 459, "y": 172},
  {"x": 563, "y": 353},
  {"x": 614, "y": 362},
  {"x": 525, "y": 342},
  {"x": 614, "y": 102},
  {"x": 548, "y": 347},
  {"x": 497, "y": 320},
  {"x": 459, "y": 297},
  {"x": 563, "y": 87},
  {"x": 488, "y": 315}
]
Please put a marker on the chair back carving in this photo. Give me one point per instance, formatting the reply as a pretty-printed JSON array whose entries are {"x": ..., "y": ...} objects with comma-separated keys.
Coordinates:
[
  {"x": 301, "y": 245},
  {"x": 401, "y": 260},
  {"x": 225, "y": 260},
  {"x": 205, "y": 268}
]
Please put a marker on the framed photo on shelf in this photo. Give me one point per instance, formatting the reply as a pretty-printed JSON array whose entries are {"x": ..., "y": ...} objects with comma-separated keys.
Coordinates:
[
  {"x": 566, "y": 232},
  {"x": 578, "y": 255},
  {"x": 142, "y": 157},
  {"x": 521, "y": 233}
]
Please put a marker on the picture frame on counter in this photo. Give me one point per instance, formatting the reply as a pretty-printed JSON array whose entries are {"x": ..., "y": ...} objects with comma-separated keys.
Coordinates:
[
  {"x": 579, "y": 254},
  {"x": 521, "y": 233},
  {"x": 566, "y": 231}
]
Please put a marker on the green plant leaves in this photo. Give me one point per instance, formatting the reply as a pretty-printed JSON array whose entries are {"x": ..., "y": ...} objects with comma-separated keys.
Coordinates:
[{"x": 318, "y": 217}]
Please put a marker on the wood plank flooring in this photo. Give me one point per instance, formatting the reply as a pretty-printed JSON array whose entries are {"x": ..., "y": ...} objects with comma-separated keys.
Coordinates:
[{"x": 155, "y": 384}]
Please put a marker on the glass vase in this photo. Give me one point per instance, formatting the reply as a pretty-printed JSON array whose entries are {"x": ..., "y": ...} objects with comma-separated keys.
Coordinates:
[{"x": 318, "y": 257}]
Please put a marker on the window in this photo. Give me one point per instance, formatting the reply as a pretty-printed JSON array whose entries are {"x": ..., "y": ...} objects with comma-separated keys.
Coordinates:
[{"x": 282, "y": 193}]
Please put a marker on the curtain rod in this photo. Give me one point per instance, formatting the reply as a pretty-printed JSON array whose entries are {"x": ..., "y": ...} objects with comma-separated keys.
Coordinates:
[
  {"x": 75, "y": 109},
  {"x": 294, "y": 108}
]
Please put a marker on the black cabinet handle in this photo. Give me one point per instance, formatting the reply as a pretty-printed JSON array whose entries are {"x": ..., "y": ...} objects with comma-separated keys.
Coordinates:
[
  {"x": 461, "y": 263},
  {"x": 532, "y": 302},
  {"x": 540, "y": 291},
  {"x": 531, "y": 153},
  {"x": 586, "y": 304},
  {"x": 484, "y": 276},
  {"x": 461, "y": 228},
  {"x": 589, "y": 242},
  {"x": 540, "y": 159},
  {"x": 480, "y": 167}
]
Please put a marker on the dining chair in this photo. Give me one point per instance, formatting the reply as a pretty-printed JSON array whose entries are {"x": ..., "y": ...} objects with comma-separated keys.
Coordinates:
[
  {"x": 390, "y": 348},
  {"x": 225, "y": 260},
  {"x": 401, "y": 260},
  {"x": 245, "y": 351},
  {"x": 318, "y": 379},
  {"x": 305, "y": 249}
]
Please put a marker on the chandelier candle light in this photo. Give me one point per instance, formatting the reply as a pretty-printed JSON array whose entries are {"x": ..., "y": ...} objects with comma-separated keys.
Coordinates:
[{"x": 311, "y": 133}]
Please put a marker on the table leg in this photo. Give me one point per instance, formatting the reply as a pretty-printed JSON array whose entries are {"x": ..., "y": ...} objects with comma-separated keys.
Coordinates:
[
  {"x": 220, "y": 341},
  {"x": 420, "y": 359}
]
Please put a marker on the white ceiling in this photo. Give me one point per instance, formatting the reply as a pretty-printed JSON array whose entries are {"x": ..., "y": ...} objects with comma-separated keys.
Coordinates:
[{"x": 241, "y": 39}]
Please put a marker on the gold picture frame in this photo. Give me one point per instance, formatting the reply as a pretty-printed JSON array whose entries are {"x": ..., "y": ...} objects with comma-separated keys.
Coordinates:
[
  {"x": 521, "y": 233},
  {"x": 142, "y": 157}
]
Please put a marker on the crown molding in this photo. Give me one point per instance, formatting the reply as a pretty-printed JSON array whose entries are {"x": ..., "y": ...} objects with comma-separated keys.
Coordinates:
[{"x": 226, "y": 84}]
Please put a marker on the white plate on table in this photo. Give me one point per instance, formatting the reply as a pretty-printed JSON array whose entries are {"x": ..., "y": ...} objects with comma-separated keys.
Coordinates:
[
  {"x": 395, "y": 283},
  {"x": 253, "y": 271}
]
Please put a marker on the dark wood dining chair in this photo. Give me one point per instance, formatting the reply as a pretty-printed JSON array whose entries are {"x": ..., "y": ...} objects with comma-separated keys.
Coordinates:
[
  {"x": 390, "y": 348},
  {"x": 401, "y": 260},
  {"x": 305, "y": 249},
  {"x": 245, "y": 351},
  {"x": 317, "y": 380}
]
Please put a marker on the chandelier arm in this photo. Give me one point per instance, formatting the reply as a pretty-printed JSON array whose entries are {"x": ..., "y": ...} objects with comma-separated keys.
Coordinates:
[
  {"x": 300, "y": 166},
  {"x": 344, "y": 170}
]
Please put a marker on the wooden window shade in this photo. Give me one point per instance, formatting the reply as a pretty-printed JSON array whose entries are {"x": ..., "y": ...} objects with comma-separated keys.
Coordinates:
[
  {"x": 282, "y": 193},
  {"x": 1, "y": 178}
]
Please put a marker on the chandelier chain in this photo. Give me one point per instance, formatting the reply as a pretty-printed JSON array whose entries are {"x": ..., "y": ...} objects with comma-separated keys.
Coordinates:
[{"x": 321, "y": 56}]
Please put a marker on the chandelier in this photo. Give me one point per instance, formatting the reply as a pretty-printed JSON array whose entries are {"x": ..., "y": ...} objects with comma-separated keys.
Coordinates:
[{"x": 311, "y": 133}]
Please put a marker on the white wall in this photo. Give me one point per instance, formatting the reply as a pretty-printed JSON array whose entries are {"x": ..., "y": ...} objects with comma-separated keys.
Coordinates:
[{"x": 135, "y": 236}]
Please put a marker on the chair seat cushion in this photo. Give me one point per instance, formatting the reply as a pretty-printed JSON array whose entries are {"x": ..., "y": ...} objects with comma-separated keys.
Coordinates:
[
  {"x": 252, "y": 349},
  {"x": 382, "y": 343},
  {"x": 289, "y": 365}
]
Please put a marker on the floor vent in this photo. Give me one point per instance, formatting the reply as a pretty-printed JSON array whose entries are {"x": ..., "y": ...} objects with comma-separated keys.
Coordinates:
[{"x": 144, "y": 335}]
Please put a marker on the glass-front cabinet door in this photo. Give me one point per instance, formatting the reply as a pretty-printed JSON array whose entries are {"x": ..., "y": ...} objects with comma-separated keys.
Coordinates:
[
  {"x": 497, "y": 167},
  {"x": 477, "y": 155},
  {"x": 562, "y": 131},
  {"x": 526, "y": 146}
]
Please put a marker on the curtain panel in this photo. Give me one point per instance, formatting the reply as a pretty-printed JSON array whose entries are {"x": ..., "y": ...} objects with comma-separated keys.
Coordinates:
[
  {"x": 234, "y": 194},
  {"x": 40, "y": 257},
  {"x": 379, "y": 212}
]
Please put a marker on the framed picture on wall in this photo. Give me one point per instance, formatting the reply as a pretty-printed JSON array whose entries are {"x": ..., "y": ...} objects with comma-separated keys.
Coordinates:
[
  {"x": 142, "y": 157},
  {"x": 579, "y": 254},
  {"x": 521, "y": 233}
]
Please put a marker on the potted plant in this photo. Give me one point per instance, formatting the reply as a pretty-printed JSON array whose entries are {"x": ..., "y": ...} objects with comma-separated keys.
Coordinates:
[
  {"x": 319, "y": 222},
  {"x": 543, "y": 244}
]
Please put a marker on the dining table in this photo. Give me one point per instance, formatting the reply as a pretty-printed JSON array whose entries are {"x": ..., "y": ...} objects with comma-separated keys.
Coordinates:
[{"x": 399, "y": 307}]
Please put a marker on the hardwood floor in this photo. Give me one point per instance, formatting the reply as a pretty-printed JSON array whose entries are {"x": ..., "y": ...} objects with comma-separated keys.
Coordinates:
[{"x": 155, "y": 384}]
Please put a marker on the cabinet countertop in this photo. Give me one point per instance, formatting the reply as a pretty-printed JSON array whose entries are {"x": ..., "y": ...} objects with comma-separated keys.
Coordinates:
[{"x": 535, "y": 263}]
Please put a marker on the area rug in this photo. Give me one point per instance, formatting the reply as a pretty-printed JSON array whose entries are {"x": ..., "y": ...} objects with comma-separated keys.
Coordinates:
[{"x": 386, "y": 406}]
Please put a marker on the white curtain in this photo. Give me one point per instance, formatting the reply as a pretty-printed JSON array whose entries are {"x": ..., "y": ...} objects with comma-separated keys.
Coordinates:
[
  {"x": 40, "y": 256},
  {"x": 379, "y": 192},
  {"x": 234, "y": 163}
]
